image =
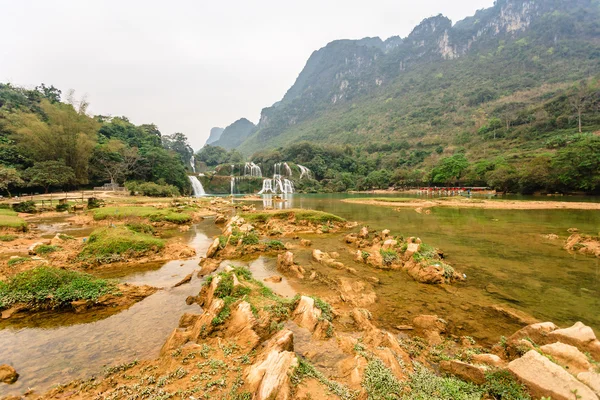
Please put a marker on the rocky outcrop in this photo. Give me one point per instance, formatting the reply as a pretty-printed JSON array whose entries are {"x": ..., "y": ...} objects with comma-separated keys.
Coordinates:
[
  {"x": 326, "y": 259},
  {"x": 568, "y": 356},
  {"x": 430, "y": 327},
  {"x": 580, "y": 336},
  {"x": 269, "y": 377},
  {"x": 543, "y": 378},
  {"x": 584, "y": 244},
  {"x": 286, "y": 265},
  {"x": 8, "y": 374},
  {"x": 213, "y": 248},
  {"x": 465, "y": 371}
]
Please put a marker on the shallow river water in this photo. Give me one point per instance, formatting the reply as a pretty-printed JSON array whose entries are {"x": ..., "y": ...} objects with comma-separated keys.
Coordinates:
[{"x": 502, "y": 248}]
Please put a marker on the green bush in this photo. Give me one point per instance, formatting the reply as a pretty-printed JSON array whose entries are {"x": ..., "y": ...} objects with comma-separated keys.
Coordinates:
[
  {"x": 62, "y": 207},
  {"x": 25, "y": 207},
  {"x": 250, "y": 238},
  {"x": 57, "y": 286},
  {"x": 94, "y": 203},
  {"x": 152, "y": 189},
  {"x": 275, "y": 245}
]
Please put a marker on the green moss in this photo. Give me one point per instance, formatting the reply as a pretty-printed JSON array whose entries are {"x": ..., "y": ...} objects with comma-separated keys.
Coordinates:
[
  {"x": 56, "y": 286},
  {"x": 119, "y": 240},
  {"x": 141, "y": 227}
]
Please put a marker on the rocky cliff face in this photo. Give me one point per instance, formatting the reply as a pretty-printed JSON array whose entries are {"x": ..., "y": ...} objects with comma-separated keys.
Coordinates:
[
  {"x": 345, "y": 70},
  {"x": 215, "y": 134}
]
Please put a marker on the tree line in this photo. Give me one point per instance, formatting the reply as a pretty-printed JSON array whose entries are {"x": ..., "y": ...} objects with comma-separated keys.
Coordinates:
[{"x": 47, "y": 143}]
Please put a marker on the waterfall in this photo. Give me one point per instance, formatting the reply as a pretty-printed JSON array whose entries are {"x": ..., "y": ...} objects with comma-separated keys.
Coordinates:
[
  {"x": 196, "y": 186},
  {"x": 193, "y": 164},
  {"x": 251, "y": 169},
  {"x": 304, "y": 172},
  {"x": 277, "y": 185}
]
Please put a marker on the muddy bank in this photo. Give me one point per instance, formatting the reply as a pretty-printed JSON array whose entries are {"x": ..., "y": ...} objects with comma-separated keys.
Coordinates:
[{"x": 478, "y": 203}]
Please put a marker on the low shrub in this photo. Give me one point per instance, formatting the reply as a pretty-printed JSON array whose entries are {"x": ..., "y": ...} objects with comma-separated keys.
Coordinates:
[
  {"x": 56, "y": 286},
  {"x": 63, "y": 207},
  {"x": 152, "y": 189},
  {"x": 250, "y": 238},
  {"x": 25, "y": 207},
  {"x": 275, "y": 245},
  {"x": 94, "y": 203},
  {"x": 389, "y": 256}
]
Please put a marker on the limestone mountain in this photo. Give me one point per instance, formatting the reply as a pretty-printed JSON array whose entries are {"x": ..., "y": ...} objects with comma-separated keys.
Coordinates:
[
  {"x": 432, "y": 82},
  {"x": 235, "y": 134},
  {"x": 215, "y": 134}
]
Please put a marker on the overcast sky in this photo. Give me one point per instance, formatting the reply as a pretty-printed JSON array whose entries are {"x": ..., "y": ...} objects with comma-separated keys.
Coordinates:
[{"x": 189, "y": 65}]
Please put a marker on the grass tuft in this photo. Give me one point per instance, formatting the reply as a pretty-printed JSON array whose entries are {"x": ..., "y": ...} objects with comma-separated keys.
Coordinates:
[{"x": 119, "y": 240}]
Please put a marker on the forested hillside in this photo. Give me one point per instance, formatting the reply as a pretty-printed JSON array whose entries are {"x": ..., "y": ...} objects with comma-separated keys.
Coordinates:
[
  {"x": 49, "y": 144},
  {"x": 508, "y": 98}
]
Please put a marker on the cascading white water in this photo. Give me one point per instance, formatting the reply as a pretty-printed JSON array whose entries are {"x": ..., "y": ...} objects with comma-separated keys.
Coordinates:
[
  {"x": 196, "y": 186},
  {"x": 304, "y": 172},
  {"x": 193, "y": 164},
  {"x": 251, "y": 169},
  {"x": 279, "y": 184}
]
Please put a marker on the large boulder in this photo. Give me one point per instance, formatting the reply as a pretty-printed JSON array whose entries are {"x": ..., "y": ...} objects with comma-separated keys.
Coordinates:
[
  {"x": 269, "y": 377},
  {"x": 543, "y": 378},
  {"x": 568, "y": 356},
  {"x": 466, "y": 372},
  {"x": 364, "y": 233},
  {"x": 8, "y": 374},
  {"x": 213, "y": 248},
  {"x": 306, "y": 314},
  {"x": 592, "y": 379},
  {"x": 537, "y": 332},
  {"x": 430, "y": 327},
  {"x": 580, "y": 336}
]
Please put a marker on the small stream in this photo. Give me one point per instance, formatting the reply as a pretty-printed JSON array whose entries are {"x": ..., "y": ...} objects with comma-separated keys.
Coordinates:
[{"x": 69, "y": 350}]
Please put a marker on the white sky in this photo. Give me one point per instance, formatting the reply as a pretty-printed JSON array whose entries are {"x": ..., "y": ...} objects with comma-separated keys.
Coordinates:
[{"x": 189, "y": 65}]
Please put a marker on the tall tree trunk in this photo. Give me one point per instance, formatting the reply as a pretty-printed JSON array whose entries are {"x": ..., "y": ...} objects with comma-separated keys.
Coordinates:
[{"x": 579, "y": 116}]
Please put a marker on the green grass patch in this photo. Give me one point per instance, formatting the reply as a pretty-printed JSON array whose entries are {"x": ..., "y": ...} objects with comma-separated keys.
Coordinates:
[
  {"x": 7, "y": 238},
  {"x": 275, "y": 245},
  {"x": 56, "y": 286},
  {"x": 119, "y": 240},
  {"x": 389, "y": 256},
  {"x": 379, "y": 382},
  {"x": 318, "y": 217},
  {"x": 151, "y": 213},
  {"x": 10, "y": 219},
  {"x": 46, "y": 248},
  {"x": 16, "y": 261},
  {"x": 326, "y": 311},
  {"x": 502, "y": 385},
  {"x": 141, "y": 227},
  {"x": 425, "y": 385}
]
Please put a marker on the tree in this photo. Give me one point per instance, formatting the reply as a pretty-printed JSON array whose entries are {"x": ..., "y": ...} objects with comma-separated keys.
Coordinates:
[
  {"x": 9, "y": 176},
  {"x": 212, "y": 155},
  {"x": 50, "y": 173},
  {"x": 66, "y": 135},
  {"x": 578, "y": 101},
  {"x": 116, "y": 160},
  {"x": 536, "y": 174},
  {"x": 178, "y": 142},
  {"x": 49, "y": 92},
  {"x": 578, "y": 164},
  {"x": 503, "y": 178},
  {"x": 449, "y": 169}
]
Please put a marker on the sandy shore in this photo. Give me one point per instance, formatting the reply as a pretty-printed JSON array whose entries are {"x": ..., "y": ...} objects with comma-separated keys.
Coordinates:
[{"x": 479, "y": 203}]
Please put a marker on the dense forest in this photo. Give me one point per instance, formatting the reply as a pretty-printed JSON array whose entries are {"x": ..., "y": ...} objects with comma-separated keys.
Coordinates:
[{"x": 46, "y": 143}]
